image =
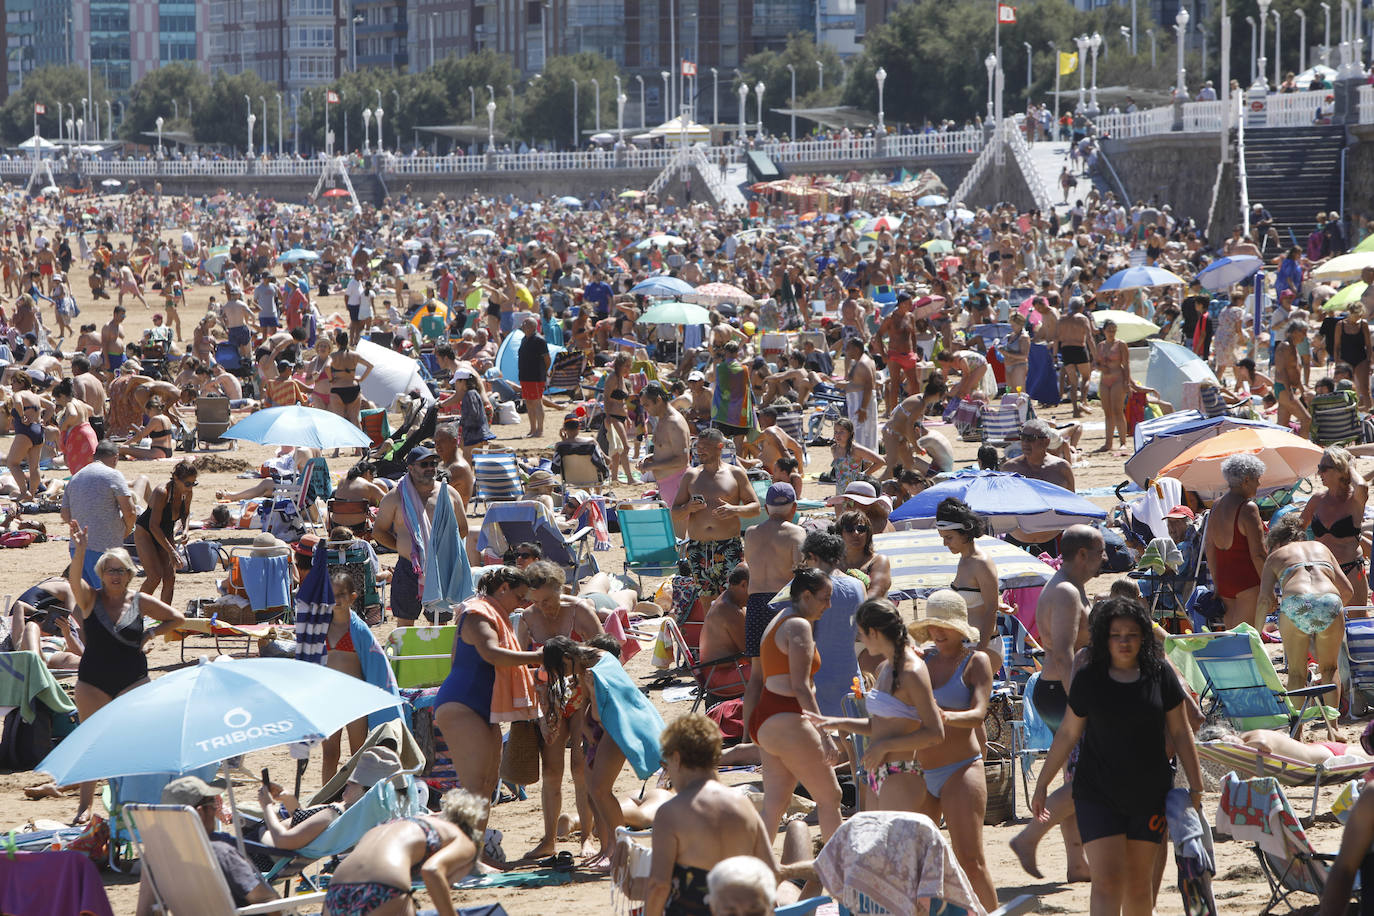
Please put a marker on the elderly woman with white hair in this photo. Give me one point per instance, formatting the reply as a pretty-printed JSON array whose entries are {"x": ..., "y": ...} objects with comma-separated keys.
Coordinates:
[
  {"x": 112, "y": 622},
  {"x": 1235, "y": 540},
  {"x": 741, "y": 886}
]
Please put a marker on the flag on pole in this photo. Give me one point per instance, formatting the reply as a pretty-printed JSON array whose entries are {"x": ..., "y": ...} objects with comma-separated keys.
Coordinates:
[
  {"x": 1006, "y": 13},
  {"x": 331, "y": 98},
  {"x": 689, "y": 68},
  {"x": 1068, "y": 62},
  {"x": 39, "y": 108}
]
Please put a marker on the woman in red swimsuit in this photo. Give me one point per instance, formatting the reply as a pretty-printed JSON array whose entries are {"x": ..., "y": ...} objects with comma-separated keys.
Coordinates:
[
  {"x": 1235, "y": 540},
  {"x": 342, "y": 657}
]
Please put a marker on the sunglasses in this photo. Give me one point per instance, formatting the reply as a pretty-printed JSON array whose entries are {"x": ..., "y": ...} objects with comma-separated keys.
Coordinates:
[
  {"x": 428, "y": 463},
  {"x": 524, "y": 556},
  {"x": 856, "y": 529},
  {"x": 1025, "y": 438}
]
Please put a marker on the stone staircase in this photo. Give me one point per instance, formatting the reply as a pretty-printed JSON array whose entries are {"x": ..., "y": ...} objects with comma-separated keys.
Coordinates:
[{"x": 1295, "y": 172}]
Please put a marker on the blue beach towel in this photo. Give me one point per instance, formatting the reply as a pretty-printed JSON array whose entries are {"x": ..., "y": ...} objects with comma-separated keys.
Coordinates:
[{"x": 627, "y": 716}]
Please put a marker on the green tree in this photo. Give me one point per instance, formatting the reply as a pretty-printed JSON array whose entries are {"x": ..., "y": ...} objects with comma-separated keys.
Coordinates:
[
  {"x": 152, "y": 97},
  {"x": 223, "y": 118},
  {"x": 770, "y": 68},
  {"x": 48, "y": 86},
  {"x": 547, "y": 112}
]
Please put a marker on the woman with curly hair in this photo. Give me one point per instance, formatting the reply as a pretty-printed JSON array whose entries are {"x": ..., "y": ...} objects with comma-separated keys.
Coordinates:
[{"x": 1123, "y": 705}]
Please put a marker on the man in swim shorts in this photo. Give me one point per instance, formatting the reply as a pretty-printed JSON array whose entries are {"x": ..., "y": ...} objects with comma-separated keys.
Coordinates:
[
  {"x": 672, "y": 438},
  {"x": 711, "y": 501},
  {"x": 773, "y": 549}
]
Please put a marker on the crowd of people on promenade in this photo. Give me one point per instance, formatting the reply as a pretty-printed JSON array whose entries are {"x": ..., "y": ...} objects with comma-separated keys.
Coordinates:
[{"x": 874, "y": 322}]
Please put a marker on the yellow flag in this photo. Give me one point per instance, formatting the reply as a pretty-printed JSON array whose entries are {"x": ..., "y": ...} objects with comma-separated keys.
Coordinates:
[{"x": 1068, "y": 63}]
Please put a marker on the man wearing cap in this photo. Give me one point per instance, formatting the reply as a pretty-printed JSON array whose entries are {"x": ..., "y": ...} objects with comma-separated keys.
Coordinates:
[
  {"x": 711, "y": 500},
  {"x": 672, "y": 440},
  {"x": 772, "y": 549},
  {"x": 403, "y": 525},
  {"x": 245, "y": 882},
  {"x": 898, "y": 329},
  {"x": 1061, "y": 616},
  {"x": 698, "y": 400}
]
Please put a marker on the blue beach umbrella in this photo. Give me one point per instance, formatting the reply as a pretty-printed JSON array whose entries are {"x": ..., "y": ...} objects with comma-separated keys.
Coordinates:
[
  {"x": 208, "y": 713},
  {"x": 297, "y": 255},
  {"x": 932, "y": 200},
  {"x": 1170, "y": 366},
  {"x": 306, "y": 427},
  {"x": 569, "y": 202},
  {"x": 662, "y": 287},
  {"x": 1006, "y": 501},
  {"x": 1226, "y": 272},
  {"x": 1138, "y": 277}
]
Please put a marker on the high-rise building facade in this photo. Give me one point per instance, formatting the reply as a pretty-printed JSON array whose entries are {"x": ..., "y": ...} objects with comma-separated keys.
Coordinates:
[{"x": 295, "y": 44}]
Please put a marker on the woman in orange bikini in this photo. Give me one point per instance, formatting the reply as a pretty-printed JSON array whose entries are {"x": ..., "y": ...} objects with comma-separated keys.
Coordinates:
[
  {"x": 1235, "y": 519},
  {"x": 781, "y": 689}
]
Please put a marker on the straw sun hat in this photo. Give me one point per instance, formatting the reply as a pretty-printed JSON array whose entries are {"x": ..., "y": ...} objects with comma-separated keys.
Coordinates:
[{"x": 944, "y": 608}]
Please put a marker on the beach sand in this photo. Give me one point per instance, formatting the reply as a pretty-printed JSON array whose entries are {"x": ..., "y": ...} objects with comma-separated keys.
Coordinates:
[{"x": 1240, "y": 887}]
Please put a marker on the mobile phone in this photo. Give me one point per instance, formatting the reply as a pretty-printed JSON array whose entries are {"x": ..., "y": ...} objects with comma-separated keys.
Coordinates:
[
  {"x": 698, "y": 498},
  {"x": 265, "y": 780}
]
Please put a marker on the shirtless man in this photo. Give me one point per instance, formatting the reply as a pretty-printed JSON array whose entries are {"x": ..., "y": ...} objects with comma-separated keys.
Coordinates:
[
  {"x": 112, "y": 341},
  {"x": 1061, "y": 616},
  {"x": 672, "y": 441},
  {"x": 1035, "y": 461},
  {"x": 705, "y": 823},
  {"x": 1288, "y": 378},
  {"x": 711, "y": 500},
  {"x": 1076, "y": 346},
  {"x": 722, "y": 633},
  {"x": 699, "y": 397},
  {"x": 773, "y": 549},
  {"x": 393, "y": 530},
  {"x": 460, "y": 474},
  {"x": 774, "y": 442},
  {"x": 900, "y": 432},
  {"x": 88, "y": 388},
  {"x": 860, "y": 390},
  {"x": 853, "y": 315},
  {"x": 899, "y": 331},
  {"x": 238, "y": 321}
]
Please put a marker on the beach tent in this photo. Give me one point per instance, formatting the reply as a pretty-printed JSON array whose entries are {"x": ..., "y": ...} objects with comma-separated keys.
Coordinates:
[{"x": 508, "y": 355}]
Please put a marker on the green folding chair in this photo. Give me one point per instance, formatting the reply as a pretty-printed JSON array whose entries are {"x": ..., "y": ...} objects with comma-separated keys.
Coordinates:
[
  {"x": 651, "y": 546},
  {"x": 421, "y": 656}
]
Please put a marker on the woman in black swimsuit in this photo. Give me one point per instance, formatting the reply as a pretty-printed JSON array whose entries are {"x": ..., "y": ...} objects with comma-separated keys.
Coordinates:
[
  {"x": 158, "y": 431},
  {"x": 1336, "y": 517},
  {"x": 345, "y": 383},
  {"x": 154, "y": 532},
  {"x": 26, "y": 422},
  {"x": 112, "y": 624},
  {"x": 617, "y": 418},
  {"x": 1353, "y": 346}
]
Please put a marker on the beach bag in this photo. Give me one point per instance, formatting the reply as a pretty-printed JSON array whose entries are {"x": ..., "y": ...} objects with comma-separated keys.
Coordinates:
[
  {"x": 18, "y": 538},
  {"x": 999, "y": 769},
  {"x": 662, "y": 657},
  {"x": 205, "y": 556},
  {"x": 282, "y": 519},
  {"x": 520, "y": 754},
  {"x": 24, "y": 744},
  {"x": 968, "y": 417},
  {"x": 1135, "y": 409}
]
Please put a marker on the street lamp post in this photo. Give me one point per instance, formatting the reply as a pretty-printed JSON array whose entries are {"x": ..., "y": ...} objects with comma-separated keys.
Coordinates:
[
  {"x": 367, "y": 131},
  {"x": 792, "y": 69},
  {"x": 1153, "y": 61},
  {"x": 1278, "y": 48},
  {"x": 396, "y": 94},
  {"x": 1202, "y": 36},
  {"x": 158, "y": 122},
  {"x": 265, "y": 150},
  {"x": 991, "y": 63},
  {"x": 1082, "y": 43},
  {"x": 1326, "y": 41},
  {"x": 353, "y": 41},
  {"x": 1254, "y": 44},
  {"x": 1181, "y": 28},
  {"x": 715, "y": 96},
  {"x": 596, "y": 85},
  {"x": 86, "y": 113},
  {"x": 577, "y": 128},
  {"x": 1261, "y": 61},
  {"x": 880, "y": 75},
  {"x": 820, "y": 76},
  {"x": 1054, "y": 132},
  {"x": 279, "y": 131},
  {"x": 743, "y": 105},
  {"x": 491, "y": 126},
  {"x": 472, "y": 103},
  {"x": 1302, "y": 39},
  {"x": 251, "y": 120},
  {"x": 618, "y": 91},
  {"x": 758, "y": 90},
  {"x": 1134, "y": 30},
  {"x": 665, "y": 74},
  {"x": 1096, "y": 41},
  {"x": 620, "y": 101},
  {"x": 377, "y": 115},
  {"x": 1028, "y": 68},
  {"x": 109, "y": 120},
  {"x": 431, "y": 38},
  {"x": 643, "y": 106}
]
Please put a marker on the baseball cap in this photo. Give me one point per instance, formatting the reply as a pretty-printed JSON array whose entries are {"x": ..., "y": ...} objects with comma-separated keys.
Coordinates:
[
  {"x": 464, "y": 373},
  {"x": 189, "y": 791},
  {"x": 419, "y": 453},
  {"x": 780, "y": 494},
  {"x": 696, "y": 376},
  {"x": 1181, "y": 511}
]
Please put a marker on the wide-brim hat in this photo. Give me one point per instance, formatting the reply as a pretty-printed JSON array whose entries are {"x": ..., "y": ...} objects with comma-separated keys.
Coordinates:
[{"x": 944, "y": 608}]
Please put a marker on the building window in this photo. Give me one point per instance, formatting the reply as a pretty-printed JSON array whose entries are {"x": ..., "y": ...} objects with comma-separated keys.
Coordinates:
[{"x": 312, "y": 7}]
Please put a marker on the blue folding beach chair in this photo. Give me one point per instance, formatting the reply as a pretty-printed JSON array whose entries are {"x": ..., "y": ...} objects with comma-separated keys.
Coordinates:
[
  {"x": 651, "y": 546},
  {"x": 497, "y": 477},
  {"x": 1359, "y": 658},
  {"x": 1242, "y": 684},
  {"x": 524, "y": 521},
  {"x": 1030, "y": 736}
]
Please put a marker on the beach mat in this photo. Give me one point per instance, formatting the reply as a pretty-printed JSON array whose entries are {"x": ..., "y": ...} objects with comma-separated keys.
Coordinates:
[{"x": 544, "y": 877}]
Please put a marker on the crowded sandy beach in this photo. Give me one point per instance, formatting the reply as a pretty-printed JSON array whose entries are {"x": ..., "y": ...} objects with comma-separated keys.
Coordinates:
[{"x": 853, "y": 550}]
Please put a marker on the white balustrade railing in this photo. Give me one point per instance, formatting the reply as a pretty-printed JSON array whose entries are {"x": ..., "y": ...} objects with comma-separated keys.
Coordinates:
[
  {"x": 1295, "y": 109},
  {"x": 1201, "y": 117},
  {"x": 1366, "y": 110},
  {"x": 1020, "y": 151}
]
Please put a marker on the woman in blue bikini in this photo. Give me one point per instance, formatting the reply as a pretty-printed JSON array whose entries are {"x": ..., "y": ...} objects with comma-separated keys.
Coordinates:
[
  {"x": 437, "y": 849},
  {"x": 961, "y": 679}
]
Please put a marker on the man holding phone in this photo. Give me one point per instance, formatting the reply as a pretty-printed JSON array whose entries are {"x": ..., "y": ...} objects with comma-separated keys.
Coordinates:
[{"x": 711, "y": 500}]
